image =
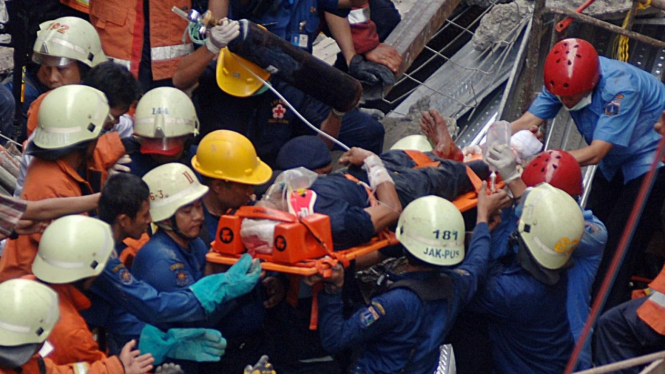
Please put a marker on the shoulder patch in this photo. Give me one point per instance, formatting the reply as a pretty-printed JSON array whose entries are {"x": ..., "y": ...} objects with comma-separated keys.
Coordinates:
[
  {"x": 125, "y": 276},
  {"x": 613, "y": 108},
  {"x": 181, "y": 279},
  {"x": 369, "y": 316},
  {"x": 177, "y": 266}
]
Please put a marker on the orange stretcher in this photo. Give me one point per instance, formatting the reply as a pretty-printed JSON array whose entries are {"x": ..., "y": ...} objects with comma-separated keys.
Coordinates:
[{"x": 303, "y": 246}]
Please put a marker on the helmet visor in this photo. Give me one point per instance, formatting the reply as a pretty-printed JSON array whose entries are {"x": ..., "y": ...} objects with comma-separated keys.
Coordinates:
[
  {"x": 47, "y": 60},
  {"x": 163, "y": 146}
]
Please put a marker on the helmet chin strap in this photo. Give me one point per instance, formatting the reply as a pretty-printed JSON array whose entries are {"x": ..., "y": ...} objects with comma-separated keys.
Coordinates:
[{"x": 173, "y": 227}]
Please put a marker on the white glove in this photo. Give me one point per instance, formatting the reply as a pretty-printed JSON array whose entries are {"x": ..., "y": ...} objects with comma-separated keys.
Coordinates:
[
  {"x": 220, "y": 36},
  {"x": 502, "y": 158},
  {"x": 120, "y": 167}
]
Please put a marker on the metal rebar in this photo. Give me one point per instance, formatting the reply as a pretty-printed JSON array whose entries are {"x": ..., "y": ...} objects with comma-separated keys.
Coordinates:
[
  {"x": 624, "y": 364},
  {"x": 607, "y": 26}
]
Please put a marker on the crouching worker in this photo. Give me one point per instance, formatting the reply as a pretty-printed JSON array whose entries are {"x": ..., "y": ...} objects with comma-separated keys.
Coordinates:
[
  {"x": 401, "y": 330},
  {"x": 73, "y": 251},
  {"x": 27, "y": 316}
]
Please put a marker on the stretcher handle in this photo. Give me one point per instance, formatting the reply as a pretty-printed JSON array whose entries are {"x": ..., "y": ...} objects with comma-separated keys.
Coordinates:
[
  {"x": 561, "y": 26},
  {"x": 265, "y": 213}
]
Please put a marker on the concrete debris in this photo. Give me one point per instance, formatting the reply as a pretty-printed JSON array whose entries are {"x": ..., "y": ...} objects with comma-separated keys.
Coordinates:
[
  {"x": 498, "y": 26},
  {"x": 485, "y": 3},
  {"x": 399, "y": 127}
]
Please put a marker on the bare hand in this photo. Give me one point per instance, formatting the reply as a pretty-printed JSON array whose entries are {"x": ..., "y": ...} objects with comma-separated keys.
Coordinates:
[
  {"x": 275, "y": 290},
  {"x": 660, "y": 125},
  {"x": 336, "y": 279},
  {"x": 133, "y": 361},
  {"x": 355, "y": 156},
  {"x": 385, "y": 55},
  {"x": 489, "y": 203},
  {"x": 27, "y": 227}
]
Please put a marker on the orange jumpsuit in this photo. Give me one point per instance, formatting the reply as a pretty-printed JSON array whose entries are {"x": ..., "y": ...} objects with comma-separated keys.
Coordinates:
[
  {"x": 47, "y": 179},
  {"x": 109, "y": 366},
  {"x": 652, "y": 312},
  {"x": 71, "y": 339}
]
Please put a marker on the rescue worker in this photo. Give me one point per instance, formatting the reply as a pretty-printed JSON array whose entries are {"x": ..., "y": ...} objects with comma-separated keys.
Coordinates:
[
  {"x": 165, "y": 123},
  {"x": 561, "y": 170},
  {"x": 228, "y": 165},
  {"x": 28, "y": 316},
  {"x": 145, "y": 37},
  {"x": 174, "y": 258},
  {"x": 123, "y": 304},
  {"x": 635, "y": 327},
  {"x": 120, "y": 89},
  {"x": 68, "y": 159},
  {"x": 90, "y": 241},
  {"x": 65, "y": 50},
  {"x": 261, "y": 116},
  {"x": 402, "y": 329},
  {"x": 614, "y": 106},
  {"x": 530, "y": 337}
]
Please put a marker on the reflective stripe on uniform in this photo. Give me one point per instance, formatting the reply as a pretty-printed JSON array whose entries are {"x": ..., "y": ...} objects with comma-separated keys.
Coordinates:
[
  {"x": 657, "y": 298},
  {"x": 358, "y": 15},
  {"x": 170, "y": 51},
  {"x": 80, "y": 368}
]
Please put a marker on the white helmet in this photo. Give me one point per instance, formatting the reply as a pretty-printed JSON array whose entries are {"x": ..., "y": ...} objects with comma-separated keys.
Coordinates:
[
  {"x": 70, "y": 115},
  {"x": 67, "y": 39},
  {"x": 162, "y": 114},
  {"x": 28, "y": 312},
  {"x": 551, "y": 225},
  {"x": 431, "y": 228},
  {"x": 73, "y": 248},
  {"x": 172, "y": 186},
  {"x": 413, "y": 142}
]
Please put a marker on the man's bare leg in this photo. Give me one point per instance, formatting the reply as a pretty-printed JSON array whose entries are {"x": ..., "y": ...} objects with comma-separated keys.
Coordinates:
[{"x": 434, "y": 127}]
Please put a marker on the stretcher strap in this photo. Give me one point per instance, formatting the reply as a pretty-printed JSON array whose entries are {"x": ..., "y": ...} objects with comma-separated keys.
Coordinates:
[
  {"x": 619, "y": 255},
  {"x": 422, "y": 160},
  {"x": 474, "y": 179}
]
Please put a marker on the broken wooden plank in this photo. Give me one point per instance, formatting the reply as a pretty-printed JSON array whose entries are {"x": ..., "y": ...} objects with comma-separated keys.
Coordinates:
[{"x": 417, "y": 27}]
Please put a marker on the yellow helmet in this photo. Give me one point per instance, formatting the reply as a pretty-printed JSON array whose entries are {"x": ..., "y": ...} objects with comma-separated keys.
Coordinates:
[
  {"x": 233, "y": 77},
  {"x": 67, "y": 39},
  {"x": 230, "y": 156}
]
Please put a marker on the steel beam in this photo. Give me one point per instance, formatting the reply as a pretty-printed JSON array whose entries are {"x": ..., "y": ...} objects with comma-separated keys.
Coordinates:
[{"x": 417, "y": 28}]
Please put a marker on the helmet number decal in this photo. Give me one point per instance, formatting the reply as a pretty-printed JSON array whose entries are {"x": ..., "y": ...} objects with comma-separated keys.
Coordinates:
[
  {"x": 565, "y": 245},
  {"x": 445, "y": 235},
  {"x": 189, "y": 178},
  {"x": 160, "y": 110},
  {"x": 157, "y": 195},
  {"x": 59, "y": 27}
]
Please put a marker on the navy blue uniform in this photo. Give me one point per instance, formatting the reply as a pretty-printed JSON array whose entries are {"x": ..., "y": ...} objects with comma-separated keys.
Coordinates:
[
  {"x": 269, "y": 123},
  {"x": 528, "y": 321},
  {"x": 399, "y": 330}
]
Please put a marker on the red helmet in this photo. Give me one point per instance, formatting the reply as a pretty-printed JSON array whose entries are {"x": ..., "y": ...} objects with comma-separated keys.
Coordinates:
[
  {"x": 571, "y": 67},
  {"x": 556, "y": 167}
]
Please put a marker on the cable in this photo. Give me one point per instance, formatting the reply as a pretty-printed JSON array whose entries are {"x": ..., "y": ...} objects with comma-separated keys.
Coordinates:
[{"x": 332, "y": 139}]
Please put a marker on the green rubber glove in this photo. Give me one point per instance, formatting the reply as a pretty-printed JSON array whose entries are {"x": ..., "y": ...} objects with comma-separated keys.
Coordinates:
[
  {"x": 213, "y": 290},
  {"x": 199, "y": 344}
]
